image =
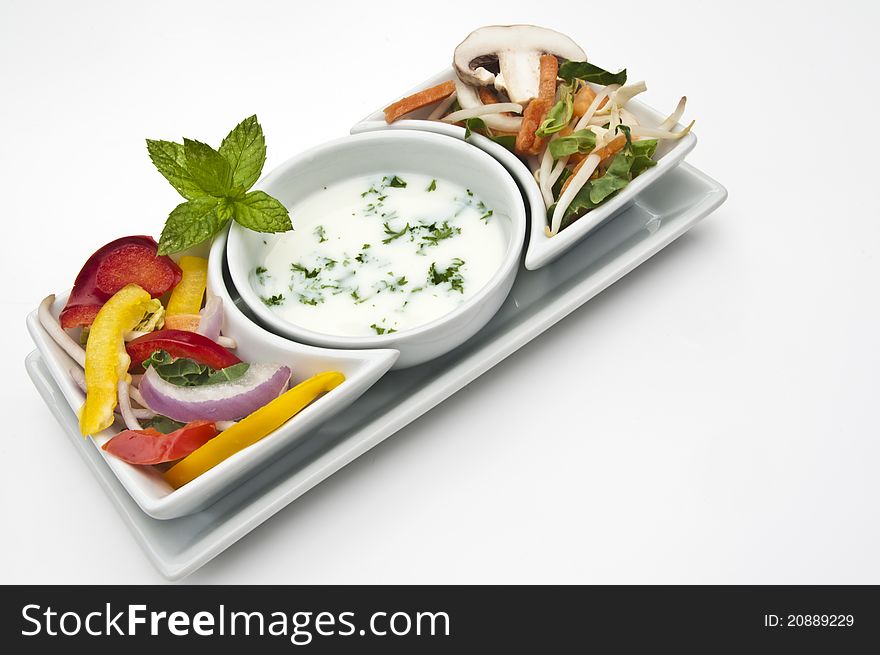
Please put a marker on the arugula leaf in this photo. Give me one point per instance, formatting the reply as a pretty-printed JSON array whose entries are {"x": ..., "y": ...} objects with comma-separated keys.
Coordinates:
[
  {"x": 228, "y": 374},
  {"x": 170, "y": 161},
  {"x": 244, "y": 148},
  {"x": 558, "y": 116},
  {"x": 261, "y": 212},
  {"x": 582, "y": 141},
  {"x": 582, "y": 70},
  {"x": 191, "y": 222},
  {"x": 208, "y": 168},
  {"x": 162, "y": 424}
]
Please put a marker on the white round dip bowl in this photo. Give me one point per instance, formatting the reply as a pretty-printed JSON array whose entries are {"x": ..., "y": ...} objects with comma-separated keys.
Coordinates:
[{"x": 435, "y": 155}]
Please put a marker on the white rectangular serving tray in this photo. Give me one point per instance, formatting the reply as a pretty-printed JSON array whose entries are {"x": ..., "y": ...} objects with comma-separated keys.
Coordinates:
[{"x": 539, "y": 299}]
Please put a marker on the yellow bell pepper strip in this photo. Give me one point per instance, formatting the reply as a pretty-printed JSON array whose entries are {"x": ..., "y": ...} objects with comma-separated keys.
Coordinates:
[
  {"x": 106, "y": 359},
  {"x": 186, "y": 298},
  {"x": 252, "y": 428}
]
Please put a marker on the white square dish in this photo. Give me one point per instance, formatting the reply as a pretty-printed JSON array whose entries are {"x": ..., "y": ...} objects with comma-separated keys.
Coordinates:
[
  {"x": 145, "y": 485},
  {"x": 537, "y": 301},
  {"x": 541, "y": 249}
]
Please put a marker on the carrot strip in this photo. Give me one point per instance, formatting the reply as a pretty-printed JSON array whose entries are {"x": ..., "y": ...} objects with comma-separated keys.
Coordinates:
[
  {"x": 527, "y": 143},
  {"x": 549, "y": 71},
  {"x": 418, "y": 100},
  {"x": 533, "y": 116},
  {"x": 611, "y": 148}
]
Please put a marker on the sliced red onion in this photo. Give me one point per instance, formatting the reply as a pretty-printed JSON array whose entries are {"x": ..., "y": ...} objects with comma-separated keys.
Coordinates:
[
  {"x": 226, "y": 401},
  {"x": 211, "y": 317}
]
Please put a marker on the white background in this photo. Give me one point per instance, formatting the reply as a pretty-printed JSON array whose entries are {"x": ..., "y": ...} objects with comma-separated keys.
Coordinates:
[{"x": 709, "y": 419}]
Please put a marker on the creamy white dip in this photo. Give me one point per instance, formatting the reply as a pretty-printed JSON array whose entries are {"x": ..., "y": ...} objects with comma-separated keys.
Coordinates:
[{"x": 380, "y": 254}]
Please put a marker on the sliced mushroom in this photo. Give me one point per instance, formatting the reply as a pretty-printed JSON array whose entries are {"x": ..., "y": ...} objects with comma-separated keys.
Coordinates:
[{"x": 517, "y": 50}]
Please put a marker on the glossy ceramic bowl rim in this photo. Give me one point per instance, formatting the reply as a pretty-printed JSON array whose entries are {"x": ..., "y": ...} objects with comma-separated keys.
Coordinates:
[{"x": 513, "y": 253}]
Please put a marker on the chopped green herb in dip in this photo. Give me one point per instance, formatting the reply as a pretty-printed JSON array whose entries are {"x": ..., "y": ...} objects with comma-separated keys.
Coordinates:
[{"x": 405, "y": 250}]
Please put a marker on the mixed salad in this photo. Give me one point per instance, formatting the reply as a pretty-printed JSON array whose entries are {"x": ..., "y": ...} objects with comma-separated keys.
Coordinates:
[
  {"x": 531, "y": 90},
  {"x": 146, "y": 335}
]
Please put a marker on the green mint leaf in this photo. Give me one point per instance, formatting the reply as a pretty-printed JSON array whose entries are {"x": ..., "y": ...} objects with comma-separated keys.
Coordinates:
[
  {"x": 190, "y": 223},
  {"x": 397, "y": 183},
  {"x": 273, "y": 301},
  {"x": 244, "y": 148},
  {"x": 261, "y": 212},
  {"x": 432, "y": 186},
  {"x": 228, "y": 374},
  {"x": 208, "y": 167},
  {"x": 225, "y": 209},
  {"x": 581, "y": 70},
  {"x": 170, "y": 161}
]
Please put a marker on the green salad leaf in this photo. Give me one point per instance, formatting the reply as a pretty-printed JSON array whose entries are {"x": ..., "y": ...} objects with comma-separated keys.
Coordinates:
[
  {"x": 215, "y": 184},
  {"x": 632, "y": 160},
  {"x": 162, "y": 424},
  {"x": 228, "y": 374},
  {"x": 559, "y": 115},
  {"x": 184, "y": 372},
  {"x": 582, "y": 141},
  {"x": 478, "y": 125},
  {"x": 582, "y": 70},
  {"x": 644, "y": 152}
]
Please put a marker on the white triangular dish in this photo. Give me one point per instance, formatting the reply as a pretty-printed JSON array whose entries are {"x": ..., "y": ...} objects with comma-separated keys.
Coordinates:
[
  {"x": 148, "y": 489},
  {"x": 541, "y": 249}
]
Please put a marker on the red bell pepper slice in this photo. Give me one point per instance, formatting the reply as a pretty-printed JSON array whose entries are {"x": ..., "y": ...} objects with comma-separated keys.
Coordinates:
[
  {"x": 180, "y": 343},
  {"x": 129, "y": 260},
  {"x": 150, "y": 446}
]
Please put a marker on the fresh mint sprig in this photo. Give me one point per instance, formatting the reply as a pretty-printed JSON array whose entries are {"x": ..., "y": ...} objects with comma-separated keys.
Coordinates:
[{"x": 215, "y": 184}]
